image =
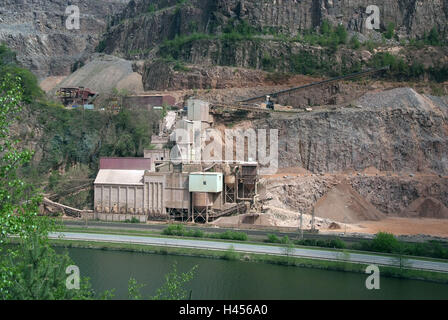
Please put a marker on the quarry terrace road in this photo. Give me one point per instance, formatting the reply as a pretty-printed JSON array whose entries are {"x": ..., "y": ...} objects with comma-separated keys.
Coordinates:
[{"x": 254, "y": 248}]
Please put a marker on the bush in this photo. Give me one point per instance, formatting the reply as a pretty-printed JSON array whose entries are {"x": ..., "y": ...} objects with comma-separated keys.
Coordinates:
[
  {"x": 433, "y": 38},
  {"x": 28, "y": 81},
  {"x": 400, "y": 70},
  {"x": 179, "y": 230},
  {"x": 337, "y": 244},
  {"x": 390, "y": 31},
  {"x": 285, "y": 240},
  {"x": 174, "y": 230},
  {"x": 354, "y": 43},
  {"x": 231, "y": 235},
  {"x": 385, "y": 242},
  {"x": 197, "y": 233},
  {"x": 333, "y": 243},
  {"x": 231, "y": 254},
  {"x": 272, "y": 238},
  {"x": 151, "y": 8}
]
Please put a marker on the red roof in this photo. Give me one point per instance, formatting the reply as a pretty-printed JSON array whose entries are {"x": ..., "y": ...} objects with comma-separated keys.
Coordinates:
[{"x": 125, "y": 164}]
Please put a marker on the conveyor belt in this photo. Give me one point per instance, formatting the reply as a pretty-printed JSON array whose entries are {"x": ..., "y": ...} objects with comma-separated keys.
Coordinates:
[{"x": 315, "y": 84}]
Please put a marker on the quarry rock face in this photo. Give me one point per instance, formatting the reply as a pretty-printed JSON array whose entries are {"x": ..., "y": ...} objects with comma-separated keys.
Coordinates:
[
  {"x": 392, "y": 195},
  {"x": 397, "y": 130},
  {"x": 36, "y": 30},
  {"x": 146, "y": 23}
]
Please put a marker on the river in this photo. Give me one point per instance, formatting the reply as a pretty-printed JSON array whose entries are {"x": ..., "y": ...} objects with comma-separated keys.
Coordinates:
[{"x": 226, "y": 280}]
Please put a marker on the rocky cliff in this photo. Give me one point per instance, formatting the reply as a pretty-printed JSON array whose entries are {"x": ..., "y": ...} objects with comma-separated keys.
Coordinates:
[
  {"x": 397, "y": 130},
  {"x": 36, "y": 30},
  {"x": 391, "y": 147},
  {"x": 272, "y": 36},
  {"x": 145, "y": 23}
]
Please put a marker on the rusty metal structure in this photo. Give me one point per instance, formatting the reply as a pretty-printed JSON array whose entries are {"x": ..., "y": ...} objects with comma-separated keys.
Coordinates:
[{"x": 76, "y": 96}]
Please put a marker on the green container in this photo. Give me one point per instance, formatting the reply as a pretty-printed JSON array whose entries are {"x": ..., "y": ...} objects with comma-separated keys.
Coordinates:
[{"x": 205, "y": 182}]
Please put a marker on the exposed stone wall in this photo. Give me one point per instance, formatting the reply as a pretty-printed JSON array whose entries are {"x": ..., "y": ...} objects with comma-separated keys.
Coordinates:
[
  {"x": 36, "y": 30},
  {"x": 136, "y": 29},
  {"x": 397, "y": 130}
]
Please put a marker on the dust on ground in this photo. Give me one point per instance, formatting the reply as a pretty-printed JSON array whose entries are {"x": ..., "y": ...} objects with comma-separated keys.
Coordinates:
[
  {"x": 403, "y": 226},
  {"x": 344, "y": 204}
]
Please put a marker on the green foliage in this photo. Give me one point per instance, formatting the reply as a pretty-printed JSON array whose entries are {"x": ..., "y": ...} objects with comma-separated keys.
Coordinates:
[
  {"x": 329, "y": 36},
  {"x": 9, "y": 68},
  {"x": 179, "y": 66},
  {"x": 325, "y": 28},
  {"x": 173, "y": 288},
  {"x": 268, "y": 63},
  {"x": 385, "y": 242},
  {"x": 390, "y": 31},
  {"x": 240, "y": 29},
  {"x": 174, "y": 48},
  {"x": 151, "y": 8},
  {"x": 401, "y": 70},
  {"x": 433, "y": 38},
  {"x": 33, "y": 270},
  {"x": 174, "y": 230},
  {"x": 134, "y": 289},
  {"x": 180, "y": 231},
  {"x": 74, "y": 137},
  {"x": 341, "y": 34},
  {"x": 370, "y": 45},
  {"x": 354, "y": 43},
  {"x": 310, "y": 64},
  {"x": 101, "y": 46},
  {"x": 273, "y": 238},
  {"x": 331, "y": 243},
  {"x": 37, "y": 272},
  {"x": 231, "y": 255},
  {"x": 18, "y": 204},
  {"x": 231, "y": 235},
  {"x": 133, "y": 220}
]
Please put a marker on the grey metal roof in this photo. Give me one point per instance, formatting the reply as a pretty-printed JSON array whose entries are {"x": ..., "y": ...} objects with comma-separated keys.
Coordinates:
[{"x": 120, "y": 177}]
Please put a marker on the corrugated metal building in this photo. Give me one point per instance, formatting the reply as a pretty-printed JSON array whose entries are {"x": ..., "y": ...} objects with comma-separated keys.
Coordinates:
[
  {"x": 125, "y": 163},
  {"x": 119, "y": 195}
]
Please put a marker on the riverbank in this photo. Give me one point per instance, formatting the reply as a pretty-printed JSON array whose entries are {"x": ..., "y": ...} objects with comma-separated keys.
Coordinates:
[{"x": 284, "y": 260}]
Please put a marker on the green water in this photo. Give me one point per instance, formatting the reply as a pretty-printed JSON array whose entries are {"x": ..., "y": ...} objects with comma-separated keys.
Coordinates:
[{"x": 223, "y": 280}]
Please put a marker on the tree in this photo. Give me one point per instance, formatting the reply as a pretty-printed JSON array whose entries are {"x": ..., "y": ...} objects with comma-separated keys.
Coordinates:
[
  {"x": 173, "y": 288},
  {"x": 390, "y": 31},
  {"x": 433, "y": 38},
  {"x": 341, "y": 34},
  {"x": 385, "y": 242},
  {"x": 39, "y": 273},
  {"x": 18, "y": 204},
  {"x": 288, "y": 249},
  {"x": 31, "y": 270}
]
